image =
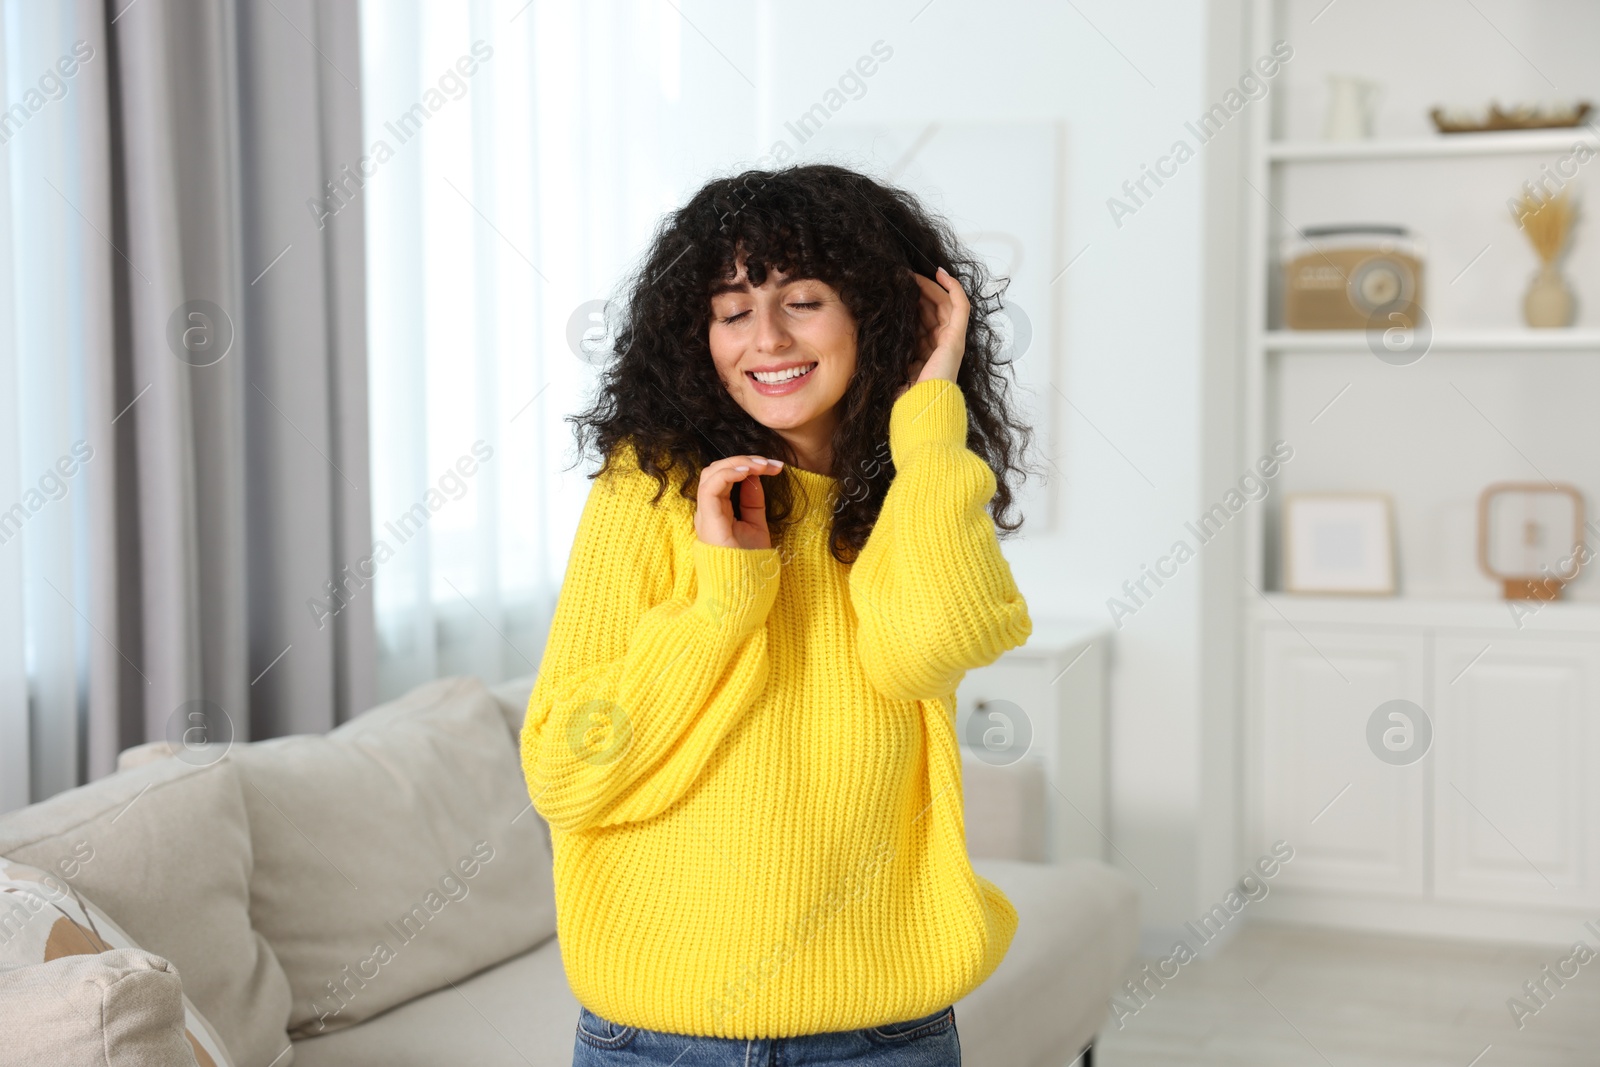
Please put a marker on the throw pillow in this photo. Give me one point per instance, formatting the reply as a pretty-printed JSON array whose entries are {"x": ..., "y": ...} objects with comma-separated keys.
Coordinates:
[
  {"x": 394, "y": 854},
  {"x": 165, "y": 848},
  {"x": 124, "y": 1009}
]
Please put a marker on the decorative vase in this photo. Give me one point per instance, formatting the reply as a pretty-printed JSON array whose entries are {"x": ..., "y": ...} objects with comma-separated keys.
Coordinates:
[{"x": 1549, "y": 301}]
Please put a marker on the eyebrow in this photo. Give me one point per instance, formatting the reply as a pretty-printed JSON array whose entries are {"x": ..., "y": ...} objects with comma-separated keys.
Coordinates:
[{"x": 740, "y": 286}]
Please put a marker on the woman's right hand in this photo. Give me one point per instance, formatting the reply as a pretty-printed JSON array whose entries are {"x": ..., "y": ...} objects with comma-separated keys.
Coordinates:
[{"x": 713, "y": 517}]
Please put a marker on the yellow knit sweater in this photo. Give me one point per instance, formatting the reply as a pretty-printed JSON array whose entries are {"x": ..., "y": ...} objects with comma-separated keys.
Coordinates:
[{"x": 748, "y": 757}]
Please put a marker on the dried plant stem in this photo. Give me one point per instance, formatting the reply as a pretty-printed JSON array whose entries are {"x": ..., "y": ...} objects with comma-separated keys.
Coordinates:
[{"x": 1548, "y": 223}]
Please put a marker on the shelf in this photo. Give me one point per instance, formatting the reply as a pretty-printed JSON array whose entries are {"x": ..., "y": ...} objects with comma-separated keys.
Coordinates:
[
  {"x": 1355, "y": 341},
  {"x": 1438, "y": 146},
  {"x": 1486, "y": 614}
]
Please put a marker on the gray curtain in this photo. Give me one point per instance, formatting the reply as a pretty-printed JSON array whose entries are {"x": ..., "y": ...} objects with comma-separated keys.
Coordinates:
[{"x": 234, "y": 368}]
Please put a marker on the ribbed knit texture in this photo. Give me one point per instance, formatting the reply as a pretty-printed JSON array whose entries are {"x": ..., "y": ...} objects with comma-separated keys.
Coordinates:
[{"x": 748, "y": 757}]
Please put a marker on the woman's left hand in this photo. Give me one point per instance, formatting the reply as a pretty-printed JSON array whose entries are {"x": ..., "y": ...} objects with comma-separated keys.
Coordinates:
[{"x": 943, "y": 339}]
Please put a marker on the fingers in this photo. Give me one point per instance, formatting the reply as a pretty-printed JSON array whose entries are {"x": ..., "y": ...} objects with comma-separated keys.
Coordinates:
[
  {"x": 933, "y": 310},
  {"x": 724, "y": 477},
  {"x": 942, "y": 314},
  {"x": 952, "y": 288},
  {"x": 749, "y": 530},
  {"x": 942, "y": 288},
  {"x": 943, "y": 300},
  {"x": 960, "y": 306},
  {"x": 719, "y": 480},
  {"x": 932, "y": 291},
  {"x": 751, "y": 497},
  {"x": 719, "y": 476}
]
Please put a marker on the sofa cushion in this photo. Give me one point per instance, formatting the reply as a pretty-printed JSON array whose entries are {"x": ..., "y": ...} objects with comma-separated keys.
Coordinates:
[
  {"x": 394, "y": 854},
  {"x": 42, "y": 919},
  {"x": 149, "y": 752},
  {"x": 118, "y": 1008},
  {"x": 165, "y": 851},
  {"x": 513, "y": 696},
  {"x": 519, "y": 1013},
  {"x": 1077, "y": 932},
  {"x": 1078, "y": 927}
]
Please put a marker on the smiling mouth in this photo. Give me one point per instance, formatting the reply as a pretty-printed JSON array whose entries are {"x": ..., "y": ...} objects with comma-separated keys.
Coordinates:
[{"x": 780, "y": 377}]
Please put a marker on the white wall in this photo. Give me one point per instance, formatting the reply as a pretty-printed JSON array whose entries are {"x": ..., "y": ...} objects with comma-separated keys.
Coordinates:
[{"x": 1124, "y": 79}]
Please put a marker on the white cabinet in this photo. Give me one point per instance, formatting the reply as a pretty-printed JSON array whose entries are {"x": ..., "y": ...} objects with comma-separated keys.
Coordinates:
[
  {"x": 1494, "y": 830},
  {"x": 1517, "y": 769},
  {"x": 1354, "y": 821}
]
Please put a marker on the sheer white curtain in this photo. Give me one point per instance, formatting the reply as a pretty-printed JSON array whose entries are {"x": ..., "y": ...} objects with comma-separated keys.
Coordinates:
[
  {"x": 521, "y": 154},
  {"x": 44, "y": 590}
]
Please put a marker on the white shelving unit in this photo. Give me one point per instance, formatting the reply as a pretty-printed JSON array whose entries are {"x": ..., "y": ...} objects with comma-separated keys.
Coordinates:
[
  {"x": 1510, "y": 341},
  {"x": 1268, "y": 217},
  {"x": 1495, "y": 831},
  {"x": 1455, "y": 144}
]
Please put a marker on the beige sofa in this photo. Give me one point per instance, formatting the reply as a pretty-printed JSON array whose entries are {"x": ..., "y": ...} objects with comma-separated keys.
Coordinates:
[{"x": 272, "y": 876}]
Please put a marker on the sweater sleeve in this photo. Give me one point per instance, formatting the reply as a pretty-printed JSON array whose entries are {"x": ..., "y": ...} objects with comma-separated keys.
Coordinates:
[
  {"x": 933, "y": 595},
  {"x": 638, "y": 686}
]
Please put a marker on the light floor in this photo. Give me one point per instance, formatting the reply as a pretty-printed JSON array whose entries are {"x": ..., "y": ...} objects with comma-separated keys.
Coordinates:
[{"x": 1283, "y": 996}]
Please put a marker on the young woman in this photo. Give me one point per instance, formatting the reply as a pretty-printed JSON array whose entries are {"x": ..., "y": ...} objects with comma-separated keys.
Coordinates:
[{"x": 743, "y": 730}]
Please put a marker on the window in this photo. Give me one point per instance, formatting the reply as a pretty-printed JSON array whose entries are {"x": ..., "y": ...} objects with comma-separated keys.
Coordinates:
[{"x": 518, "y": 158}]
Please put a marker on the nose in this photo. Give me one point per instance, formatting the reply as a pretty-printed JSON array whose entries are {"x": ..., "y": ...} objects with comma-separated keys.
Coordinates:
[{"x": 772, "y": 335}]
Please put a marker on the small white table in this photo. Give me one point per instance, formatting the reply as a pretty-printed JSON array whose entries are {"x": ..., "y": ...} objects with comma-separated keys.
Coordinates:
[{"x": 1039, "y": 713}]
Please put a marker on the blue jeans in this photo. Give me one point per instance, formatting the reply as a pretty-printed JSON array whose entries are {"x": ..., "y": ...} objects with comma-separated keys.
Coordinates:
[{"x": 930, "y": 1041}]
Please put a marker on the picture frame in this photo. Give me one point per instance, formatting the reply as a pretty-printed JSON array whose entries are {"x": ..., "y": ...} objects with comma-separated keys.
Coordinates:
[
  {"x": 1518, "y": 542},
  {"x": 1339, "y": 544}
]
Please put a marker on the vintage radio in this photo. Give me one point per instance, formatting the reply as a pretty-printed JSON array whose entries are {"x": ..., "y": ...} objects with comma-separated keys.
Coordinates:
[{"x": 1352, "y": 277}]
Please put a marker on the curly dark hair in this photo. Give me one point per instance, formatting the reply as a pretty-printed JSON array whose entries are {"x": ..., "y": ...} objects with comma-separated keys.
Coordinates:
[{"x": 662, "y": 393}]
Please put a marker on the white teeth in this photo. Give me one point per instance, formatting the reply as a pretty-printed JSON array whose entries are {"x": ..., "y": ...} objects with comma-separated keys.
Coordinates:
[{"x": 776, "y": 376}]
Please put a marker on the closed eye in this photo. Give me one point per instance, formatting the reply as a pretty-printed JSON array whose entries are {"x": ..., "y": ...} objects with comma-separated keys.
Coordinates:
[{"x": 808, "y": 304}]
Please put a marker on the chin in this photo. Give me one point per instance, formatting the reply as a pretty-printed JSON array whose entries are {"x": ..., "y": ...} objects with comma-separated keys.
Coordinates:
[{"x": 781, "y": 420}]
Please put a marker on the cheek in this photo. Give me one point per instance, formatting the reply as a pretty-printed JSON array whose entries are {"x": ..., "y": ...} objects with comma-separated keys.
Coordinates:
[
  {"x": 844, "y": 345},
  {"x": 836, "y": 338},
  {"x": 724, "y": 351}
]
